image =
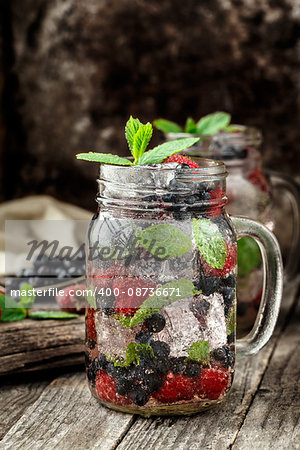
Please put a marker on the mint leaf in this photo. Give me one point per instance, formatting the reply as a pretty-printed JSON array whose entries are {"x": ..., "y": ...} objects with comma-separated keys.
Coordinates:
[
  {"x": 212, "y": 123},
  {"x": 249, "y": 256},
  {"x": 174, "y": 290},
  {"x": 27, "y": 296},
  {"x": 190, "y": 126},
  {"x": 164, "y": 241},
  {"x": 166, "y": 126},
  {"x": 141, "y": 139},
  {"x": 210, "y": 242},
  {"x": 46, "y": 315},
  {"x": 104, "y": 158},
  {"x": 163, "y": 151},
  {"x": 10, "y": 310},
  {"x": 199, "y": 351},
  {"x": 134, "y": 351},
  {"x": 131, "y": 128}
]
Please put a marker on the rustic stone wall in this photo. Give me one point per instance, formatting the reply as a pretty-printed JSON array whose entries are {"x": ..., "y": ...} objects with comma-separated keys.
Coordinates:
[{"x": 76, "y": 69}]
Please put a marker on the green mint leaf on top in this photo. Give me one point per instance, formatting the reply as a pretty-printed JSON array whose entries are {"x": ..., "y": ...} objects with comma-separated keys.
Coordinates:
[
  {"x": 170, "y": 292},
  {"x": 141, "y": 140},
  {"x": 190, "y": 126},
  {"x": 104, "y": 158},
  {"x": 212, "y": 123},
  {"x": 46, "y": 315},
  {"x": 166, "y": 126},
  {"x": 210, "y": 242},
  {"x": 131, "y": 128},
  {"x": 134, "y": 351},
  {"x": 164, "y": 241},
  {"x": 249, "y": 256},
  {"x": 199, "y": 351},
  {"x": 27, "y": 296},
  {"x": 10, "y": 310},
  {"x": 163, "y": 151},
  {"x": 138, "y": 137}
]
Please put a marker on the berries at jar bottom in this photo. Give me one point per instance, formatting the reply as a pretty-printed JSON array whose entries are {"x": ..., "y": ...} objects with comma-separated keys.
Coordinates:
[
  {"x": 106, "y": 390},
  {"x": 212, "y": 383}
]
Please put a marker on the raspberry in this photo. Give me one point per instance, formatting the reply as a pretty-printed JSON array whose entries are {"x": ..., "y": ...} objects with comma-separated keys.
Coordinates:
[
  {"x": 212, "y": 383},
  {"x": 180, "y": 159},
  {"x": 106, "y": 389},
  {"x": 230, "y": 263},
  {"x": 257, "y": 178},
  {"x": 175, "y": 388},
  {"x": 69, "y": 302},
  {"x": 90, "y": 324},
  {"x": 216, "y": 194},
  {"x": 131, "y": 294}
]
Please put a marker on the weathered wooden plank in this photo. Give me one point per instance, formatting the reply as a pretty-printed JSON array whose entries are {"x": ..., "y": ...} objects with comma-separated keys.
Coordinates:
[
  {"x": 30, "y": 345},
  {"x": 15, "y": 398},
  {"x": 273, "y": 421},
  {"x": 65, "y": 416},
  {"x": 216, "y": 428}
]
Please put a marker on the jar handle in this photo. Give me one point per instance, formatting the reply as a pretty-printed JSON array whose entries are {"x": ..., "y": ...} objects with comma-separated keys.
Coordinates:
[
  {"x": 272, "y": 286},
  {"x": 282, "y": 182}
]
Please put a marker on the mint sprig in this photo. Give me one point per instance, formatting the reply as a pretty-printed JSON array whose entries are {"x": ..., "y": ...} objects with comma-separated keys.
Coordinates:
[
  {"x": 138, "y": 136},
  {"x": 210, "y": 242},
  {"x": 164, "y": 241},
  {"x": 199, "y": 351},
  {"x": 134, "y": 351},
  {"x": 207, "y": 125}
]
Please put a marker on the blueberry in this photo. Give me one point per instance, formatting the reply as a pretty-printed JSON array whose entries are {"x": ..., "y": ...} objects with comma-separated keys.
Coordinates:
[
  {"x": 174, "y": 185},
  {"x": 150, "y": 198},
  {"x": 182, "y": 166},
  {"x": 152, "y": 382},
  {"x": 169, "y": 198},
  {"x": 143, "y": 337},
  {"x": 192, "y": 369},
  {"x": 181, "y": 215},
  {"x": 242, "y": 308},
  {"x": 123, "y": 386},
  {"x": 191, "y": 199},
  {"x": 224, "y": 355},
  {"x": 228, "y": 296},
  {"x": 155, "y": 323},
  {"x": 208, "y": 285}
]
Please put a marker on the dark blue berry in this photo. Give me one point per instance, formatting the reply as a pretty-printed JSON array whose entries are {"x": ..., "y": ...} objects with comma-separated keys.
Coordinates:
[
  {"x": 177, "y": 365},
  {"x": 150, "y": 198},
  {"x": 228, "y": 296},
  {"x": 229, "y": 281},
  {"x": 192, "y": 369},
  {"x": 139, "y": 396},
  {"x": 143, "y": 337},
  {"x": 160, "y": 349},
  {"x": 155, "y": 323},
  {"x": 182, "y": 166}
]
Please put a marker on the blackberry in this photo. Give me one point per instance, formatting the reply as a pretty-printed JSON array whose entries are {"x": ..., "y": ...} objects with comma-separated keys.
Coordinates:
[
  {"x": 170, "y": 198},
  {"x": 229, "y": 281},
  {"x": 229, "y": 297},
  {"x": 92, "y": 371},
  {"x": 115, "y": 371},
  {"x": 123, "y": 386},
  {"x": 181, "y": 215},
  {"x": 191, "y": 199},
  {"x": 177, "y": 365},
  {"x": 160, "y": 349},
  {"x": 143, "y": 337},
  {"x": 102, "y": 362},
  {"x": 155, "y": 323},
  {"x": 208, "y": 285},
  {"x": 174, "y": 185},
  {"x": 192, "y": 369},
  {"x": 139, "y": 396},
  {"x": 199, "y": 307}
]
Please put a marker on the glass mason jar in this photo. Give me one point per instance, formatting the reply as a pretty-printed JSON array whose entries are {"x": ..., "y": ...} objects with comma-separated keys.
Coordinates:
[
  {"x": 253, "y": 194},
  {"x": 161, "y": 280}
]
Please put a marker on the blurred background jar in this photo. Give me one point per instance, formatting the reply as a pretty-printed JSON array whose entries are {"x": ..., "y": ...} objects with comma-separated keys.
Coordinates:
[{"x": 269, "y": 197}]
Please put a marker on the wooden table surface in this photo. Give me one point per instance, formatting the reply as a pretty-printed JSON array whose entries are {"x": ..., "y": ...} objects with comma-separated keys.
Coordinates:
[{"x": 56, "y": 411}]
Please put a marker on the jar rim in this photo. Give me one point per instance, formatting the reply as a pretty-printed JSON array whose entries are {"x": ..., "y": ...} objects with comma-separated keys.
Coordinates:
[
  {"x": 208, "y": 167},
  {"x": 244, "y": 135}
]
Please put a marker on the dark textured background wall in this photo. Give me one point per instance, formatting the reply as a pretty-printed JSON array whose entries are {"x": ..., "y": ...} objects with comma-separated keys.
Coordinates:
[{"x": 74, "y": 70}]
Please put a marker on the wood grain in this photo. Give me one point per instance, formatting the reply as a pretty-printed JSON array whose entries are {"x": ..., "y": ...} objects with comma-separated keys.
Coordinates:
[
  {"x": 30, "y": 344},
  {"x": 273, "y": 421},
  {"x": 14, "y": 399},
  {"x": 65, "y": 416}
]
